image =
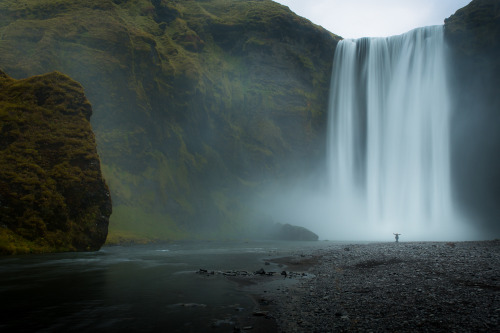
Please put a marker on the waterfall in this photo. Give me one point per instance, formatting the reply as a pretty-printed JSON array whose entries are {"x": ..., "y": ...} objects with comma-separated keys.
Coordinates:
[{"x": 389, "y": 136}]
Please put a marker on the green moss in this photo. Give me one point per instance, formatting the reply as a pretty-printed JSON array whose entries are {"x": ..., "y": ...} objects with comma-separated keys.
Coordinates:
[
  {"x": 190, "y": 98},
  {"x": 12, "y": 243},
  {"x": 51, "y": 189}
]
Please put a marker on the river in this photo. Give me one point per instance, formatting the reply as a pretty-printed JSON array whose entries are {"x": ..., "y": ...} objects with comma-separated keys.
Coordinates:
[{"x": 132, "y": 288}]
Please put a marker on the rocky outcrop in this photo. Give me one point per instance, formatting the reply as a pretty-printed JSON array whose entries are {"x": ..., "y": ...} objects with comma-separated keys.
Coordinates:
[
  {"x": 52, "y": 194},
  {"x": 269, "y": 230},
  {"x": 473, "y": 36},
  {"x": 197, "y": 104},
  {"x": 290, "y": 232}
]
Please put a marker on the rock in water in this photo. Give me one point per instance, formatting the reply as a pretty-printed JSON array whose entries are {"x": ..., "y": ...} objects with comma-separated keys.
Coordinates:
[{"x": 52, "y": 193}]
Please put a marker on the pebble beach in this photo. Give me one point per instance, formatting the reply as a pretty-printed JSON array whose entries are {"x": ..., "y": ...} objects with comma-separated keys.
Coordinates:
[{"x": 379, "y": 287}]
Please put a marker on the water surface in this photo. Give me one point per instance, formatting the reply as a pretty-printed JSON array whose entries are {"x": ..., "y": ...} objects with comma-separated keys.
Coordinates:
[{"x": 135, "y": 288}]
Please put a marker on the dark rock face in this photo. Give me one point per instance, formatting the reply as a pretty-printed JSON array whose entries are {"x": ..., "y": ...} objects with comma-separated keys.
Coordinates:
[
  {"x": 296, "y": 233},
  {"x": 52, "y": 194},
  {"x": 196, "y": 103},
  {"x": 290, "y": 232},
  {"x": 473, "y": 36},
  {"x": 472, "y": 30}
]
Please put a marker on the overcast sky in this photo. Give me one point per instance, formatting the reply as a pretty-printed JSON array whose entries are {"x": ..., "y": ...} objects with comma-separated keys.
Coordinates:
[{"x": 374, "y": 18}]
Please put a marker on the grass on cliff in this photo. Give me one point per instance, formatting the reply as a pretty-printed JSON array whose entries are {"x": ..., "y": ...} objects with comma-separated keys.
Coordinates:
[
  {"x": 139, "y": 226},
  {"x": 190, "y": 98}
]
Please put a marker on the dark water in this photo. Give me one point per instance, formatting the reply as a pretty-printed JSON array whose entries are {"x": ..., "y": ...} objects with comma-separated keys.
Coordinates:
[{"x": 137, "y": 288}]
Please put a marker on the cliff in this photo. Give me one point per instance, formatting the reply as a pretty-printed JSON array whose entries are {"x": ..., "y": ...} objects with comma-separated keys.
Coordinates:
[
  {"x": 52, "y": 194},
  {"x": 473, "y": 36},
  {"x": 198, "y": 105}
]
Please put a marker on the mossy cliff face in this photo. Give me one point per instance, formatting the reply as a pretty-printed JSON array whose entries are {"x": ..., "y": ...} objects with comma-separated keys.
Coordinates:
[
  {"x": 197, "y": 104},
  {"x": 52, "y": 194},
  {"x": 473, "y": 36}
]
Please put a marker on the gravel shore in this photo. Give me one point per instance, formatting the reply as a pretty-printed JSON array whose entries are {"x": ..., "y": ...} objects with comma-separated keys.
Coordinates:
[{"x": 381, "y": 287}]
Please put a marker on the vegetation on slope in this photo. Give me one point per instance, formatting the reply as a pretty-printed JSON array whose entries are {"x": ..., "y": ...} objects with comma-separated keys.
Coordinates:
[
  {"x": 197, "y": 104},
  {"x": 52, "y": 195}
]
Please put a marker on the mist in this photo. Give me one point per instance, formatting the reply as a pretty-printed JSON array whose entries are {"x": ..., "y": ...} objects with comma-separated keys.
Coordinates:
[
  {"x": 334, "y": 217},
  {"x": 475, "y": 122},
  {"x": 399, "y": 156}
]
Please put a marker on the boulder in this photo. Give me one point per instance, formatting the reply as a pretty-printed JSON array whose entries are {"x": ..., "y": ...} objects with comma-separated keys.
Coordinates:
[{"x": 290, "y": 232}]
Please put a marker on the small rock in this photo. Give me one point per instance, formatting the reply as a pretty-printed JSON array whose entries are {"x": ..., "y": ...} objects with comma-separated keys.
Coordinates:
[
  {"x": 263, "y": 302},
  {"x": 260, "y": 313},
  {"x": 261, "y": 271}
]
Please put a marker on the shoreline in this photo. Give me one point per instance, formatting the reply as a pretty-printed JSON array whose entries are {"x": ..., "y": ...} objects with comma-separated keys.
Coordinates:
[{"x": 406, "y": 286}]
